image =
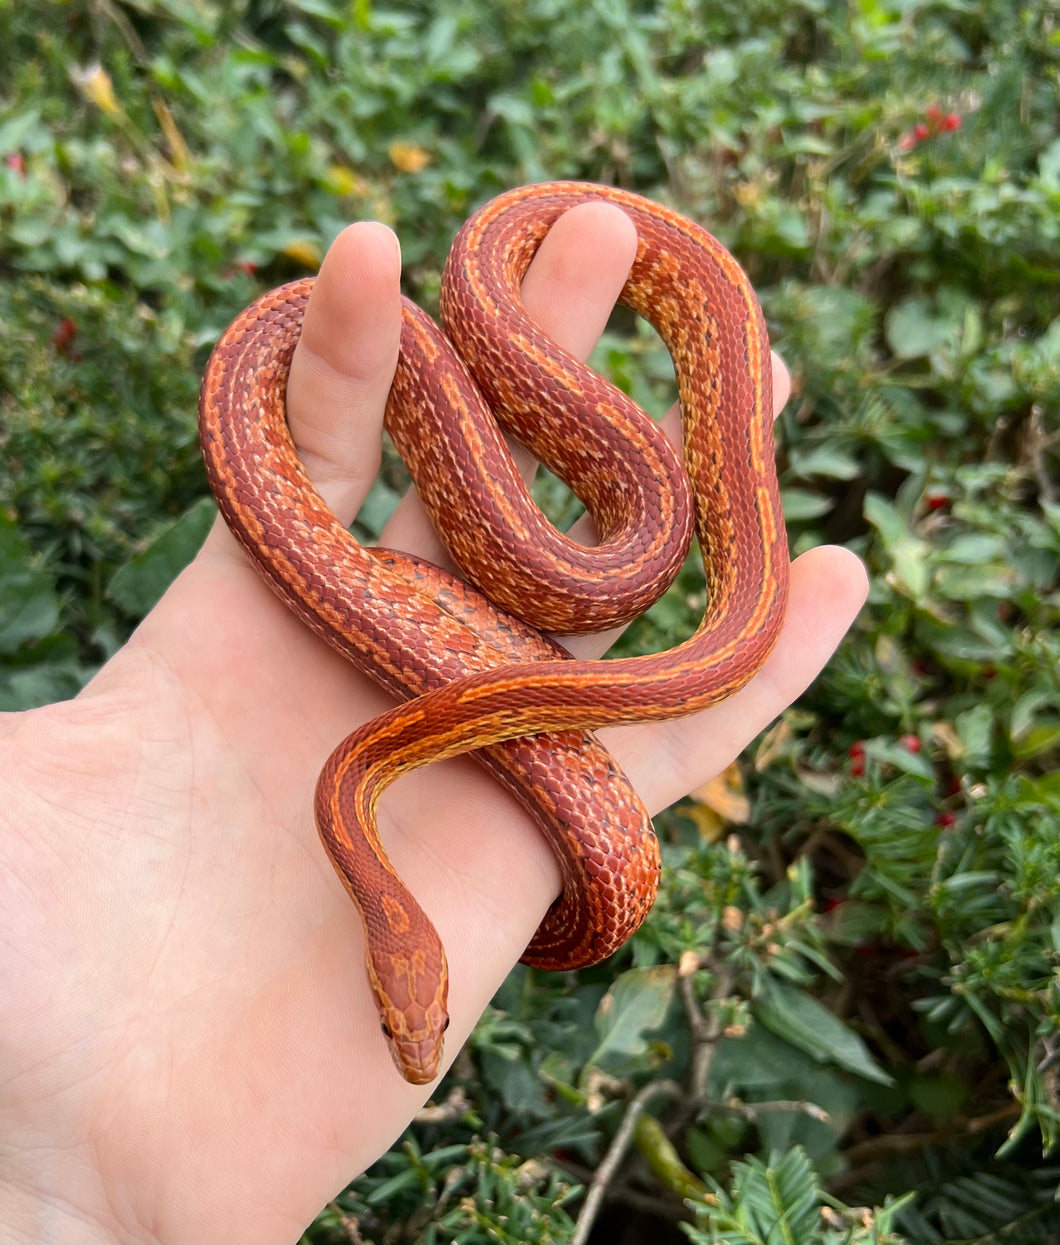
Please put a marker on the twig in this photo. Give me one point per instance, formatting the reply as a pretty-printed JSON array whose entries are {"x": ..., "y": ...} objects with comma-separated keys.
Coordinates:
[
  {"x": 348, "y": 1224},
  {"x": 752, "y": 1110},
  {"x": 705, "y": 1033},
  {"x": 659, "y": 1206},
  {"x": 1038, "y": 445},
  {"x": 607, "y": 1170},
  {"x": 866, "y": 1155}
]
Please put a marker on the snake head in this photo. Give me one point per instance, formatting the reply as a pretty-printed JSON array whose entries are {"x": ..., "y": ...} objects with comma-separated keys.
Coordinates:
[
  {"x": 417, "y": 1057},
  {"x": 411, "y": 992}
]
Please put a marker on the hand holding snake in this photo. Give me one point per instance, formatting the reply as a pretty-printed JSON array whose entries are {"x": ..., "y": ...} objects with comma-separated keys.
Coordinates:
[
  {"x": 179, "y": 961},
  {"x": 480, "y": 678}
]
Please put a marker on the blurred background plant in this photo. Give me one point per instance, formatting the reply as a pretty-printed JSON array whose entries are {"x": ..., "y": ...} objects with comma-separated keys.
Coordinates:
[{"x": 840, "y": 1023}]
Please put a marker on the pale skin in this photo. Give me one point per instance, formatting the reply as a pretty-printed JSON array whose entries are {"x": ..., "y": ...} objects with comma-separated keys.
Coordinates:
[{"x": 189, "y": 1050}]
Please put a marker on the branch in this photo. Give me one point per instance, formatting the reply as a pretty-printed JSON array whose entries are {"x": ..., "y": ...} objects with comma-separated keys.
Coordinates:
[
  {"x": 705, "y": 1033},
  {"x": 607, "y": 1170},
  {"x": 866, "y": 1155}
]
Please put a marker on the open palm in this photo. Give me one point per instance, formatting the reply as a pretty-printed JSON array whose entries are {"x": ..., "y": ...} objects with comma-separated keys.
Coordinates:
[{"x": 189, "y": 1046}]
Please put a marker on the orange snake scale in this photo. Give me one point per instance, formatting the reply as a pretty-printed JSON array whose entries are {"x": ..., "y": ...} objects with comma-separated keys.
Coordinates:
[{"x": 471, "y": 663}]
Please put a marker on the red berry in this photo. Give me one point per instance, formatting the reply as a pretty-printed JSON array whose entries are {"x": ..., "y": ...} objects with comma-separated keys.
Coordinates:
[
  {"x": 64, "y": 334},
  {"x": 946, "y": 820},
  {"x": 937, "y": 499},
  {"x": 921, "y": 131},
  {"x": 911, "y": 743},
  {"x": 933, "y": 113},
  {"x": 951, "y": 121},
  {"x": 17, "y": 161}
]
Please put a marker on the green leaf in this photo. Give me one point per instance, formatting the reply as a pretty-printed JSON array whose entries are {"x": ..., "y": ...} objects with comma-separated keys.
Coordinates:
[
  {"x": 662, "y": 1158},
  {"x": 901, "y": 759},
  {"x": 14, "y": 132},
  {"x": 29, "y": 604},
  {"x": 975, "y": 729},
  {"x": 377, "y": 508},
  {"x": 140, "y": 583},
  {"x": 800, "y": 505},
  {"x": 913, "y": 330},
  {"x": 798, "y": 1018},
  {"x": 41, "y": 684},
  {"x": 940, "y": 1095},
  {"x": 828, "y": 461},
  {"x": 909, "y": 555},
  {"x": 777, "y": 1201},
  {"x": 508, "y": 1073},
  {"x": 630, "y": 1015}
]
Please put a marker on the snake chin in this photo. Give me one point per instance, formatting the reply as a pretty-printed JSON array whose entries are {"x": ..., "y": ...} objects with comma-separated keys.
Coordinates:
[
  {"x": 413, "y": 1013},
  {"x": 416, "y": 1056}
]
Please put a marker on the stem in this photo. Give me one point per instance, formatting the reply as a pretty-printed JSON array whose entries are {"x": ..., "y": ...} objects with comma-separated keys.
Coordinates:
[{"x": 608, "y": 1169}]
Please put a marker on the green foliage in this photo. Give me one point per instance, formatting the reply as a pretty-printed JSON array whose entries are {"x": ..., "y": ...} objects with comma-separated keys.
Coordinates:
[
  {"x": 780, "y": 1202},
  {"x": 460, "y": 1193},
  {"x": 861, "y": 963}
]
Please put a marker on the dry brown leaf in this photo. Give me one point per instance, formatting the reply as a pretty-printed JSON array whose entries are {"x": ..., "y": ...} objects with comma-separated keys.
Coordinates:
[
  {"x": 707, "y": 822},
  {"x": 725, "y": 796}
]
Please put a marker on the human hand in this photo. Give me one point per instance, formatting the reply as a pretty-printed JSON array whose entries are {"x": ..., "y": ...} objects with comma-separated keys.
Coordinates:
[{"x": 189, "y": 1044}]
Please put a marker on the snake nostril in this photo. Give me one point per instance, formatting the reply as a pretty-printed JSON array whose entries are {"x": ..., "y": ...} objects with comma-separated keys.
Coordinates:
[{"x": 386, "y": 1030}]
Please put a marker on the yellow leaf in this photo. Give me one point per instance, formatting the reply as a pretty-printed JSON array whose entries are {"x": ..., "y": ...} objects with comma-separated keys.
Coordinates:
[
  {"x": 708, "y": 823},
  {"x": 178, "y": 151},
  {"x": 342, "y": 180},
  {"x": 304, "y": 252},
  {"x": 96, "y": 86},
  {"x": 747, "y": 194},
  {"x": 409, "y": 157},
  {"x": 725, "y": 796}
]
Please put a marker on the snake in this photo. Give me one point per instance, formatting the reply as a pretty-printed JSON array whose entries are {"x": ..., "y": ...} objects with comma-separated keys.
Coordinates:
[{"x": 471, "y": 655}]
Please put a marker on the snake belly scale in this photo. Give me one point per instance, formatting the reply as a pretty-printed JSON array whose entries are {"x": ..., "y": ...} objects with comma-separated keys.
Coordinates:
[{"x": 471, "y": 662}]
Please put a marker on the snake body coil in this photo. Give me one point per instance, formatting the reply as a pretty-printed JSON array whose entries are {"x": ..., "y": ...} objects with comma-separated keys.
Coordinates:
[{"x": 473, "y": 666}]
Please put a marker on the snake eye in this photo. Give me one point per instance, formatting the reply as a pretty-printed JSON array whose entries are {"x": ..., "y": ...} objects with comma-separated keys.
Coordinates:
[{"x": 386, "y": 1030}]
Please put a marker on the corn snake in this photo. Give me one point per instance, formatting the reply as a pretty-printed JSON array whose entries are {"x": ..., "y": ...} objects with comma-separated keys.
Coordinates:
[{"x": 473, "y": 666}]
